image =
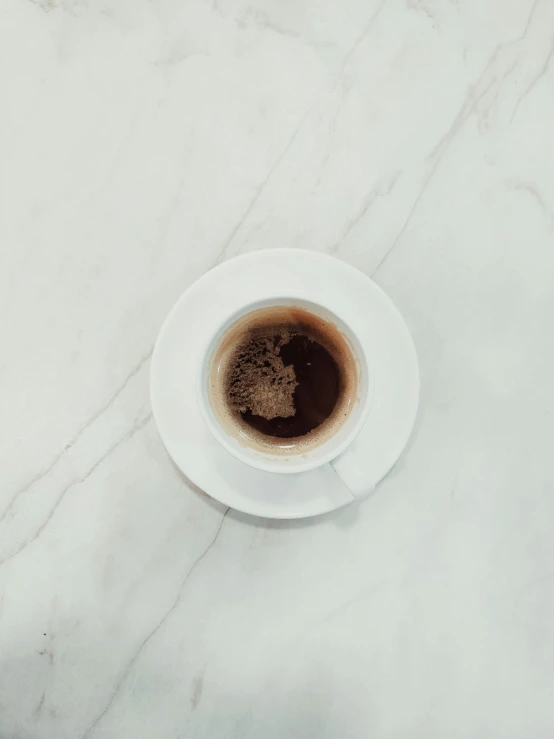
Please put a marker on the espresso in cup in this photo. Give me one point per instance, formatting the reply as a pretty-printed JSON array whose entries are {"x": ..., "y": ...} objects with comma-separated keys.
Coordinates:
[{"x": 282, "y": 379}]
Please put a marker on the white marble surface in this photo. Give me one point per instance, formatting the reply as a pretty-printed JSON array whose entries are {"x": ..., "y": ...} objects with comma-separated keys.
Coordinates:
[{"x": 142, "y": 142}]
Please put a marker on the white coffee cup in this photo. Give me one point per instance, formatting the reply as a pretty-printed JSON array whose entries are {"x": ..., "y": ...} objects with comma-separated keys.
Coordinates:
[{"x": 337, "y": 448}]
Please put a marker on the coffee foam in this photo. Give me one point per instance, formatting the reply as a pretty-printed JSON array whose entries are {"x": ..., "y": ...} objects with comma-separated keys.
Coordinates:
[
  {"x": 257, "y": 378},
  {"x": 246, "y": 373}
]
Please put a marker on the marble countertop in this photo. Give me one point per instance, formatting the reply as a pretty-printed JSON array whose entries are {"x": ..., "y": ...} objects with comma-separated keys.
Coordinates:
[{"x": 141, "y": 143}]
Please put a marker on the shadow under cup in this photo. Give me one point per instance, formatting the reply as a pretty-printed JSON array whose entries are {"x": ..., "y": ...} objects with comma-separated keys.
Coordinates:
[{"x": 285, "y": 455}]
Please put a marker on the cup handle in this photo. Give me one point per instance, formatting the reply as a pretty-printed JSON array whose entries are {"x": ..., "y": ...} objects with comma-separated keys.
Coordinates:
[{"x": 352, "y": 474}]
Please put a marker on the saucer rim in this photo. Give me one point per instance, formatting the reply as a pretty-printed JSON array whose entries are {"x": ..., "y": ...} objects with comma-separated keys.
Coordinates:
[{"x": 229, "y": 267}]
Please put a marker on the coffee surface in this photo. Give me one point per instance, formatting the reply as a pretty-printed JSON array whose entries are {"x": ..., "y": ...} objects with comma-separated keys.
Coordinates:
[
  {"x": 283, "y": 382},
  {"x": 283, "y": 374}
]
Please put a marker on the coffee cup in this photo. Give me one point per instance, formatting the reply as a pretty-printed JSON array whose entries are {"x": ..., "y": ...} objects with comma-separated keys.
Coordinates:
[{"x": 336, "y": 445}]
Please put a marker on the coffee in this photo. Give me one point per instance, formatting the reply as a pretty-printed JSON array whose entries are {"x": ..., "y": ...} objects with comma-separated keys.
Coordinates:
[{"x": 283, "y": 378}]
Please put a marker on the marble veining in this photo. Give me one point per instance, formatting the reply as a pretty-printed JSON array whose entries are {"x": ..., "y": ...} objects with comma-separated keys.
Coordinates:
[{"x": 143, "y": 142}]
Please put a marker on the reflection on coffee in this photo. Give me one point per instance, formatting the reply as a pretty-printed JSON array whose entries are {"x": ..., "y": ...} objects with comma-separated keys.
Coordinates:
[{"x": 283, "y": 377}]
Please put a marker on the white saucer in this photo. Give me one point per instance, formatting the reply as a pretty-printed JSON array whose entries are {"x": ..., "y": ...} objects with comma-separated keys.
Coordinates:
[{"x": 194, "y": 318}]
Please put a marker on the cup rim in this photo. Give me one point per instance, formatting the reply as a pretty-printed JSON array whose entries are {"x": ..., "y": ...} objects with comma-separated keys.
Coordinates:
[{"x": 301, "y": 463}]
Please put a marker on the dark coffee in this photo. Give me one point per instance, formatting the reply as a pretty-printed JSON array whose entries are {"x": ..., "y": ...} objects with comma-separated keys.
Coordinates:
[{"x": 284, "y": 377}]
